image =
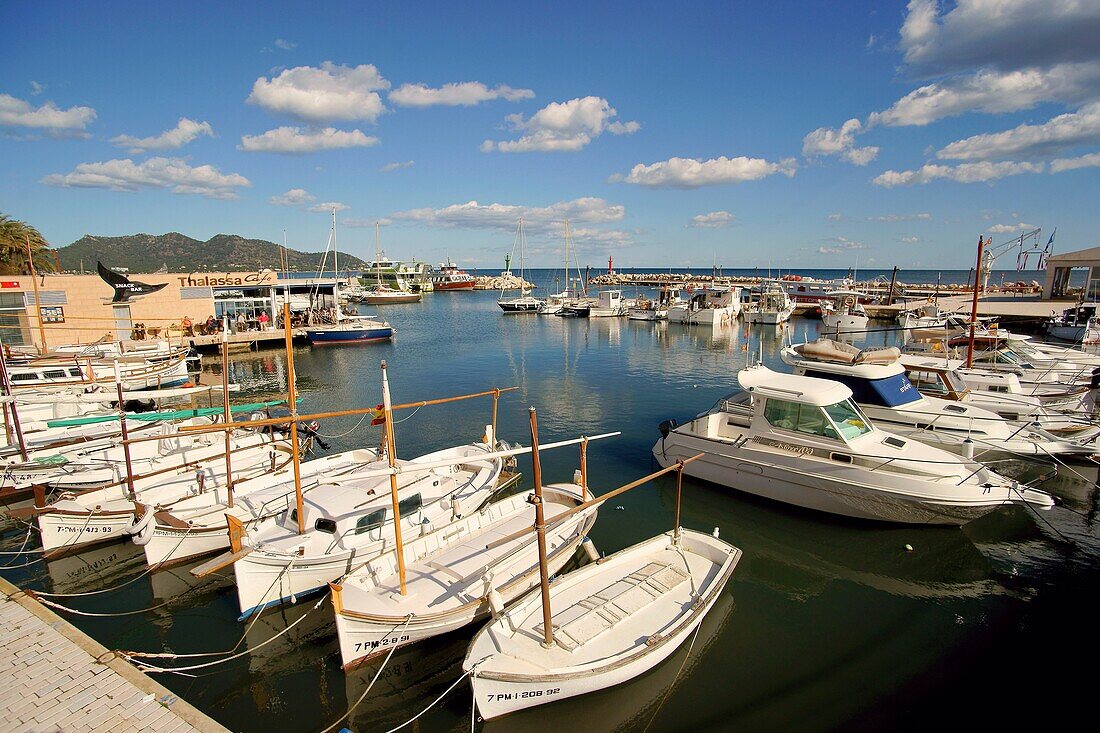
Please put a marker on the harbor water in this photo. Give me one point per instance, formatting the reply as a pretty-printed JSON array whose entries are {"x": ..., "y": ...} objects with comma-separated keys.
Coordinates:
[{"x": 828, "y": 623}]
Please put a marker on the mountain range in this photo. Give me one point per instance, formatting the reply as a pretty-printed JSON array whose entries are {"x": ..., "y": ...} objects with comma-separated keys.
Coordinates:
[{"x": 179, "y": 253}]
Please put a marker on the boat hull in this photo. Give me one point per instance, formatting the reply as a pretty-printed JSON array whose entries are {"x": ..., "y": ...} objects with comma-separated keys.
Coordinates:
[
  {"x": 837, "y": 491},
  {"x": 388, "y": 299},
  {"x": 704, "y": 316},
  {"x": 452, "y": 287},
  {"x": 350, "y": 336}
]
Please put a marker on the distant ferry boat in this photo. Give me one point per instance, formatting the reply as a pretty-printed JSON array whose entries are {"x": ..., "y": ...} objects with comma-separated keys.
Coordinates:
[{"x": 450, "y": 277}]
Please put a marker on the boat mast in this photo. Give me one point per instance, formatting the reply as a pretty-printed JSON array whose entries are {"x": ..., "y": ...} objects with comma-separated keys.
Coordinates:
[
  {"x": 377, "y": 256},
  {"x": 540, "y": 532},
  {"x": 335, "y": 268},
  {"x": 391, "y": 457},
  {"x": 974, "y": 304},
  {"x": 5, "y": 382},
  {"x": 227, "y": 415},
  {"x": 292, "y": 403}
]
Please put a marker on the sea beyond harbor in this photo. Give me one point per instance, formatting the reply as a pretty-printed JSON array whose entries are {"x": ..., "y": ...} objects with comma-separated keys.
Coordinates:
[{"x": 827, "y": 624}]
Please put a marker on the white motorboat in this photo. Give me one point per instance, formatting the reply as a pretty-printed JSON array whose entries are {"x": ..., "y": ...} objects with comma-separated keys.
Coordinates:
[
  {"x": 803, "y": 441},
  {"x": 773, "y": 307},
  {"x": 940, "y": 378},
  {"x": 710, "y": 306},
  {"x": 927, "y": 315},
  {"x": 1072, "y": 324},
  {"x": 843, "y": 313},
  {"x": 107, "y": 514},
  {"x": 348, "y": 519},
  {"x": 612, "y": 621},
  {"x": 454, "y": 575},
  {"x": 137, "y": 372},
  {"x": 881, "y": 389}
]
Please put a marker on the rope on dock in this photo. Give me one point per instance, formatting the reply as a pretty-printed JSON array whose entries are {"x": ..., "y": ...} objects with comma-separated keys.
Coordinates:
[{"x": 374, "y": 679}]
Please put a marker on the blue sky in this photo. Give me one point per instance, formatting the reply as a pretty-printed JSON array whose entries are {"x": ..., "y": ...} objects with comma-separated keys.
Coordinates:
[{"x": 785, "y": 134}]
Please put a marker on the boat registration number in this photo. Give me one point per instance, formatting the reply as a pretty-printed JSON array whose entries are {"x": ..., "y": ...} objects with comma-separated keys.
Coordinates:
[
  {"x": 526, "y": 694},
  {"x": 361, "y": 646},
  {"x": 91, "y": 529}
]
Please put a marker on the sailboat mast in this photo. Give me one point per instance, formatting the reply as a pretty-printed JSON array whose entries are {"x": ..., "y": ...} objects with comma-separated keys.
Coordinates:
[
  {"x": 377, "y": 256},
  {"x": 540, "y": 533},
  {"x": 391, "y": 457}
]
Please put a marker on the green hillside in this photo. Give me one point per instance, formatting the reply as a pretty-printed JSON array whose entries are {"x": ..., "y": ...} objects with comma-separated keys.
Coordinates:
[{"x": 180, "y": 253}]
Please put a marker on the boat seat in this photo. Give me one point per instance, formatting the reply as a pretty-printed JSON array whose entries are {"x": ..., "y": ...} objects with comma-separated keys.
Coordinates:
[{"x": 587, "y": 619}]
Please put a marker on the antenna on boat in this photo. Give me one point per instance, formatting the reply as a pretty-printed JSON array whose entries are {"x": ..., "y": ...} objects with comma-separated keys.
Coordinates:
[
  {"x": 540, "y": 533},
  {"x": 391, "y": 457}
]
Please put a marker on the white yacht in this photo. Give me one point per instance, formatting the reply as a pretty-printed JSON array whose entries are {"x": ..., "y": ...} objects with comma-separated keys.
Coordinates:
[
  {"x": 655, "y": 309},
  {"x": 774, "y": 306},
  {"x": 803, "y": 441},
  {"x": 881, "y": 389},
  {"x": 709, "y": 306}
]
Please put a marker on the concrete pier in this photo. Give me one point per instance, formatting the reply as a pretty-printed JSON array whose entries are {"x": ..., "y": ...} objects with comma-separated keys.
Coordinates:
[{"x": 57, "y": 679}]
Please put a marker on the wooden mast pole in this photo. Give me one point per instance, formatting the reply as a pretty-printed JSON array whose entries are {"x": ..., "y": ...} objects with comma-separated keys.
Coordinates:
[
  {"x": 227, "y": 413},
  {"x": 391, "y": 456},
  {"x": 974, "y": 305},
  {"x": 540, "y": 531},
  {"x": 679, "y": 490},
  {"x": 6, "y": 383},
  {"x": 37, "y": 302},
  {"x": 584, "y": 468},
  {"x": 292, "y": 403},
  {"x": 125, "y": 434}
]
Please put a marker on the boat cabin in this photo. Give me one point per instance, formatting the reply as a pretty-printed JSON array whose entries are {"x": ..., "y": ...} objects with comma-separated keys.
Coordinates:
[{"x": 611, "y": 299}]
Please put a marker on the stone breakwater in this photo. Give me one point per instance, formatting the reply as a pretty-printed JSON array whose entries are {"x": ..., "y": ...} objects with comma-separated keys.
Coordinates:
[
  {"x": 506, "y": 281},
  {"x": 653, "y": 280}
]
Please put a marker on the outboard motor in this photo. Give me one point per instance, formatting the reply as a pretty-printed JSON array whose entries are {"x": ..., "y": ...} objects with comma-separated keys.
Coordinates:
[
  {"x": 667, "y": 426},
  {"x": 310, "y": 431}
]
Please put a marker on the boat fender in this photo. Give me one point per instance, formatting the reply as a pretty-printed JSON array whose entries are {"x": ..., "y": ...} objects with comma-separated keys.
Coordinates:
[
  {"x": 715, "y": 533},
  {"x": 137, "y": 529},
  {"x": 496, "y": 602},
  {"x": 590, "y": 550},
  {"x": 667, "y": 426}
]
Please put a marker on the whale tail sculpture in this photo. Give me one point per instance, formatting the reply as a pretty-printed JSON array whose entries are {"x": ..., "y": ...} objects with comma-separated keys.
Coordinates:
[{"x": 125, "y": 288}]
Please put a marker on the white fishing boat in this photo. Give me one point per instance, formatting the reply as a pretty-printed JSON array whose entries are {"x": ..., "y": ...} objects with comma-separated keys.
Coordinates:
[
  {"x": 804, "y": 441},
  {"x": 713, "y": 305},
  {"x": 138, "y": 372},
  {"x": 926, "y": 315},
  {"x": 773, "y": 307},
  {"x": 1072, "y": 324},
  {"x": 199, "y": 525},
  {"x": 609, "y": 304},
  {"x": 612, "y": 621},
  {"x": 107, "y": 514},
  {"x": 843, "y": 312},
  {"x": 381, "y": 293},
  {"x": 655, "y": 309},
  {"x": 454, "y": 575},
  {"x": 881, "y": 389}
]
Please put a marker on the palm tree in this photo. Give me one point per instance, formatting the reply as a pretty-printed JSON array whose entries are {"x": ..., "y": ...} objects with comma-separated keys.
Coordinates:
[{"x": 13, "y": 248}]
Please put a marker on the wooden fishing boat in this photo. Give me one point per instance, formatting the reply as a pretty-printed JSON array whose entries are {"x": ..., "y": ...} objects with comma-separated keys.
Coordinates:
[
  {"x": 612, "y": 621},
  {"x": 451, "y": 578}
]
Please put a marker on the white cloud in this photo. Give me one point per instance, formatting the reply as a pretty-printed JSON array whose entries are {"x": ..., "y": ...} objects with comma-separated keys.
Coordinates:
[
  {"x": 327, "y": 207},
  {"x": 965, "y": 173},
  {"x": 900, "y": 217},
  {"x": 365, "y": 223},
  {"x": 389, "y": 167},
  {"x": 323, "y": 94},
  {"x": 456, "y": 94},
  {"x": 1056, "y": 135},
  {"x": 1010, "y": 228},
  {"x": 834, "y": 217},
  {"x": 910, "y": 240},
  {"x": 184, "y": 132},
  {"x": 1068, "y": 164},
  {"x": 298, "y": 141},
  {"x": 538, "y": 220},
  {"x": 37, "y": 88},
  {"x": 713, "y": 220},
  {"x": 1005, "y": 34},
  {"x": 19, "y": 113},
  {"x": 293, "y": 197},
  {"x": 562, "y": 126},
  {"x": 285, "y": 45},
  {"x": 171, "y": 173},
  {"x": 827, "y": 141},
  {"x": 692, "y": 173}
]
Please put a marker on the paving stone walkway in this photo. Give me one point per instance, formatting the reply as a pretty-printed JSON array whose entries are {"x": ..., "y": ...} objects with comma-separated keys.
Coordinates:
[{"x": 54, "y": 683}]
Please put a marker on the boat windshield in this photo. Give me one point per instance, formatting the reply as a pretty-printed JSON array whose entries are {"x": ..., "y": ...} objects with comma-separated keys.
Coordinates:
[
  {"x": 886, "y": 392},
  {"x": 847, "y": 418}
]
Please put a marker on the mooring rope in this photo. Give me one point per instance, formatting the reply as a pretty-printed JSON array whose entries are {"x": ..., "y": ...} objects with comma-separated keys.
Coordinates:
[
  {"x": 381, "y": 668},
  {"x": 664, "y": 697}
]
